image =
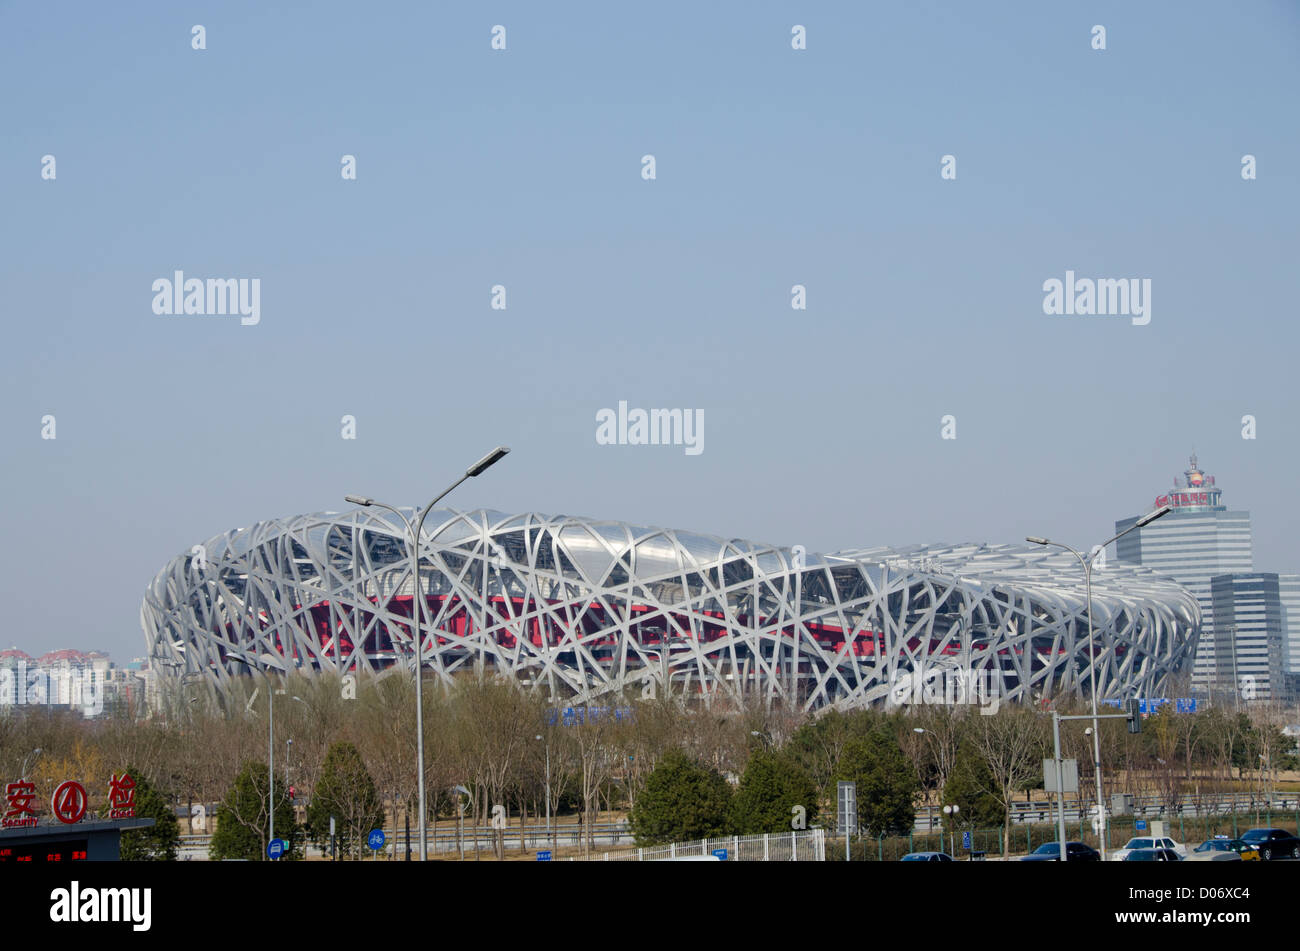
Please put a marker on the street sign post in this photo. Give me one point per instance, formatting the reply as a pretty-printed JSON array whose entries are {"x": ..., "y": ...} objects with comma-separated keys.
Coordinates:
[
  {"x": 275, "y": 849},
  {"x": 376, "y": 841},
  {"x": 544, "y": 855}
]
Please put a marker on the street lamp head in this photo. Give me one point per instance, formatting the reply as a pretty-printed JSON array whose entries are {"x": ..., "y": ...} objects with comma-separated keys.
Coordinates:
[
  {"x": 1035, "y": 540},
  {"x": 490, "y": 459},
  {"x": 359, "y": 500},
  {"x": 1152, "y": 516}
]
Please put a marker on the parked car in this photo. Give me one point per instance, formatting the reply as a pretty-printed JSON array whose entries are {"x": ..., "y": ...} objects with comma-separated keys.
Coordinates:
[
  {"x": 1152, "y": 855},
  {"x": 1223, "y": 849},
  {"x": 1148, "y": 842},
  {"x": 927, "y": 857},
  {"x": 1273, "y": 843},
  {"x": 1074, "y": 852}
]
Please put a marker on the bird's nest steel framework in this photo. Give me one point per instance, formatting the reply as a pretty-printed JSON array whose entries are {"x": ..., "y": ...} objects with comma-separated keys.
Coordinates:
[{"x": 583, "y": 609}]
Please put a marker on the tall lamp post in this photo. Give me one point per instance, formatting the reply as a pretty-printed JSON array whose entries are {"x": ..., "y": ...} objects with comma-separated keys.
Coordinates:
[
  {"x": 365, "y": 501},
  {"x": 1092, "y": 655},
  {"x": 268, "y": 660},
  {"x": 548, "y": 784}
]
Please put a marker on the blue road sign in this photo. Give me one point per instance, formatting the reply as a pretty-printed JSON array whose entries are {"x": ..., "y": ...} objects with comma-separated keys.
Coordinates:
[
  {"x": 544, "y": 855},
  {"x": 965, "y": 839},
  {"x": 1141, "y": 825},
  {"x": 376, "y": 839},
  {"x": 275, "y": 848},
  {"x": 721, "y": 853}
]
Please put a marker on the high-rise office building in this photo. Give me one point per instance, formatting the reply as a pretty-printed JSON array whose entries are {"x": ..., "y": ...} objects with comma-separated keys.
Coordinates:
[
  {"x": 1197, "y": 540},
  {"x": 1248, "y": 635},
  {"x": 1288, "y": 588}
]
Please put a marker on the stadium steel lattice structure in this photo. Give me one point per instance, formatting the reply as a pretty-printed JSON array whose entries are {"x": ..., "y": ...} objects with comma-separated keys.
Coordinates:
[{"x": 580, "y": 609}]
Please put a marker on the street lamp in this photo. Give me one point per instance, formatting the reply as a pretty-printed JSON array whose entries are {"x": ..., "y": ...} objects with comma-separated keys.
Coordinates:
[
  {"x": 365, "y": 501},
  {"x": 269, "y": 660},
  {"x": 548, "y": 786},
  {"x": 950, "y": 811},
  {"x": 1092, "y": 655},
  {"x": 929, "y": 814}
]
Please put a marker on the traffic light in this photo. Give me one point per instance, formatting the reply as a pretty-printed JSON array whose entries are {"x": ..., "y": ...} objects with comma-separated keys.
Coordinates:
[{"x": 1134, "y": 716}]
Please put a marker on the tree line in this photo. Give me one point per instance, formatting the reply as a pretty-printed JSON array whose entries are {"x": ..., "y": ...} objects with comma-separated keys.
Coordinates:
[{"x": 677, "y": 770}]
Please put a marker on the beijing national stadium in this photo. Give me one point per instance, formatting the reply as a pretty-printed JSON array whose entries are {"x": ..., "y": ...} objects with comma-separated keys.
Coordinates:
[{"x": 583, "y": 609}]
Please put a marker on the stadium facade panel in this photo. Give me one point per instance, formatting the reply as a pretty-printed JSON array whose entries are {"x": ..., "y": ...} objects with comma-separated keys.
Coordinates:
[{"x": 582, "y": 609}]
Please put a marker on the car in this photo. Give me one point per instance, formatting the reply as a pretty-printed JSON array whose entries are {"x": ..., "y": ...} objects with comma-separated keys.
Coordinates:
[
  {"x": 1149, "y": 842},
  {"x": 1223, "y": 849},
  {"x": 1273, "y": 843},
  {"x": 927, "y": 857},
  {"x": 1074, "y": 852},
  {"x": 1152, "y": 855}
]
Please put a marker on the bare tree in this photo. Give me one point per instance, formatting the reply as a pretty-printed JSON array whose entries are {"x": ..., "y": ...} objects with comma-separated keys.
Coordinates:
[{"x": 1012, "y": 743}]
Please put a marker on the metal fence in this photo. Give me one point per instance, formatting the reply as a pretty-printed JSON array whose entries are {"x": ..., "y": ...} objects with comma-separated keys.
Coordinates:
[{"x": 807, "y": 846}]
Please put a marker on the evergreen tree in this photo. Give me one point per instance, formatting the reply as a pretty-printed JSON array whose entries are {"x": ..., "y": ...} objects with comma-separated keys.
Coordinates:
[
  {"x": 159, "y": 843},
  {"x": 242, "y": 821},
  {"x": 772, "y": 785},
  {"x": 970, "y": 787},
  {"x": 682, "y": 801},
  {"x": 887, "y": 783},
  {"x": 345, "y": 791}
]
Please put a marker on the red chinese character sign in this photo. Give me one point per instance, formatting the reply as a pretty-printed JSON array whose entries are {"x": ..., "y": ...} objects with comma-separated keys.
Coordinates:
[
  {"x": 69, "y": 802},
  {"x": 18, "y": 805},
  {"x": 121, "y": 797}
]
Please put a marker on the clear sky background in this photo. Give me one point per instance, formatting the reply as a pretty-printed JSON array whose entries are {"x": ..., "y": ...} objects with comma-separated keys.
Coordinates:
[{"x": 523, "y": 168}]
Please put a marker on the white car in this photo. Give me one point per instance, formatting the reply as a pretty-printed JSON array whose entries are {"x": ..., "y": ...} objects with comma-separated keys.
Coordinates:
[{"x": 1148, "y": 842}]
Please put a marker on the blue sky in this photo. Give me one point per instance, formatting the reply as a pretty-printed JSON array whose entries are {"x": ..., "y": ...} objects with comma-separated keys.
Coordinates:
[{"x": 522, "y": 167}]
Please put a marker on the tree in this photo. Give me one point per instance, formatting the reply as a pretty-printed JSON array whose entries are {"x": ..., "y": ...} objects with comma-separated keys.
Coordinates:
[
  {"x": 887, "y": 783},
  {"x": 970, "y": 787},
  {"x": 159, "y": 843},
  {"x": 485, "y": 717},
  {"x": 242, "y": 826},
  {"x": 818, "y": 746},
  {"x": 771, "y": 788},
  {"x": 1011, "y": 743},
  {"x": 682, "y": 801},
  {"x": 346, "y": 791}
]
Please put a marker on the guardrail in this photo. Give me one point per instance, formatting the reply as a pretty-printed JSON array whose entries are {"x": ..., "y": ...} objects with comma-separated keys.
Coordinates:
[
  {"x": 1143, "y": 807},
  {"x": 449, "y": 839}
]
